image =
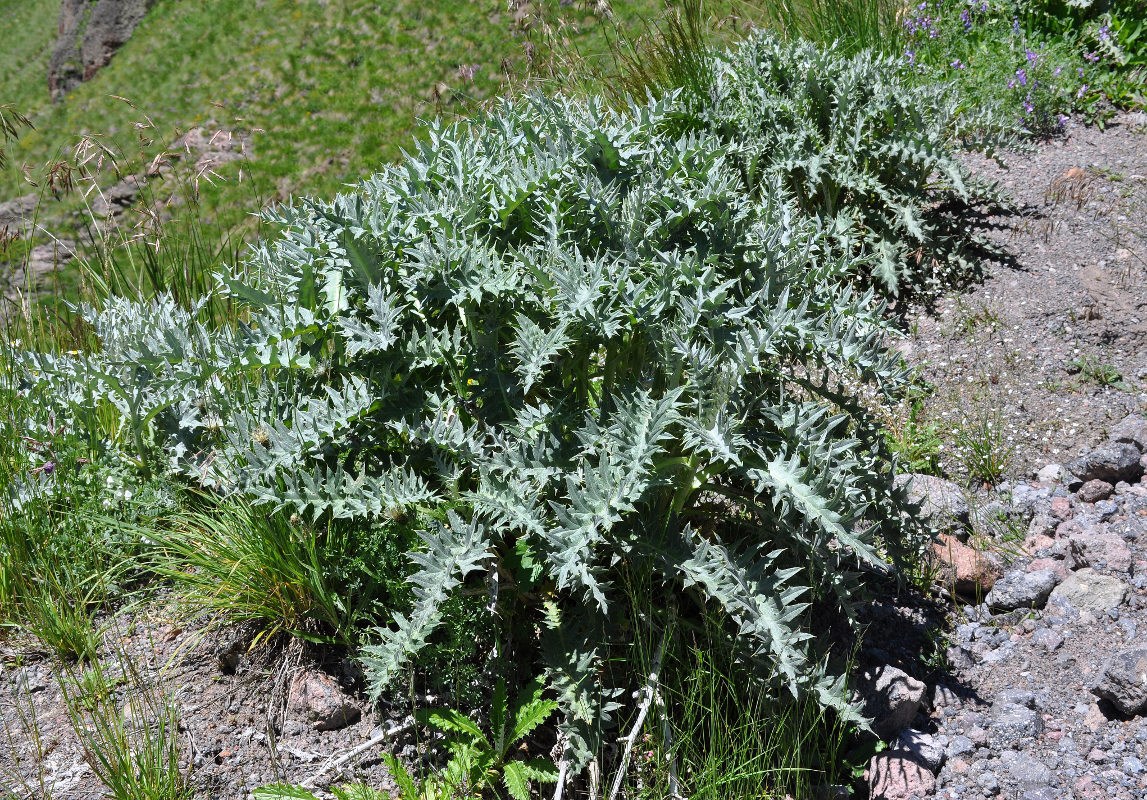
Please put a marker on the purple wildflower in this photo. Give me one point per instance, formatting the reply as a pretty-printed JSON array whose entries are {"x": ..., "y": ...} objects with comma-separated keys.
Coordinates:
[
  {"x": 1104, "y": 33},
  {"x": 1022, "y": 77},
  {"x": 957, "y": 64},
  {"x": 1092, "y": 56},
  {"x": 966, "y": 18}
]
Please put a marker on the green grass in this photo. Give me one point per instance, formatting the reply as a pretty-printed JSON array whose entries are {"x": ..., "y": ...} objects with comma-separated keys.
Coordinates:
[{"x": 329, "y": 91}]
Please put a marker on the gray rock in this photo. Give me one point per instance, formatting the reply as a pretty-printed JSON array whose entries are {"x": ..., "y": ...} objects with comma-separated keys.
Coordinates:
[
  {"x": 1124, "y": 680},
  {"x": 1019, "y": 697},
  {"x": 1132, "y": 430},
  {"x": 922, "y": 747},
  {"x": 960, "y": 658},
  {"x": 1027, "y": 771},
  {"x": 89, "y": 33},
  {"x": 1098, "y": 548},
  {"x": 944, "y": 696},
  {"x": 1095, "y": 490},
  {"x": 1112, "y": 462},
  {"x": 13, "y": 213},
  {"x": 1013, "y": 725},
  {"x": 891, "y": 698},
  {"x": 1027, "y": 500},
  {"x": 1047, "y": 639},
  {"x": 959, "y": 746},
  {"x": 1042, "y": 524},
  {"x": 1019, "y": 589},
  {"x": 1041, "y": 793},
  {"x": 1051, "y": 473},
  {"x": 941, "y": 500},
  {"x": 1087, "y": 590}
]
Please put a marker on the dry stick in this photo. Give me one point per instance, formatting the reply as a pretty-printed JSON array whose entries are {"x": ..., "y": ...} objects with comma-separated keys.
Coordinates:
[
  {"x": 650, "y": 691},
  {"x": 378, "y": 738},
  {"x": 563, "y": 768},
  {"x": 667, "y": 735}
]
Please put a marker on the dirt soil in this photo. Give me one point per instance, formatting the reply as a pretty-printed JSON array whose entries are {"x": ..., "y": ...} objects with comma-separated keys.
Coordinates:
[
  {"x": 1001, "y": 353},
  {"x": 1051, "y": 350}
]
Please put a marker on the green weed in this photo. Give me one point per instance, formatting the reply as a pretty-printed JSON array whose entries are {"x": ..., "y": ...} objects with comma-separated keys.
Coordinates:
[
  {"x": 242, "y": 563},
  {"x": 1091, "y": 370},
  {"x": 917, "y": 443},
  {"x": 133, "y": 745},
  {"x": 969, "y": 320},
  {"x": 855, "y": 24},
  {"x": 983, "y": 449}
]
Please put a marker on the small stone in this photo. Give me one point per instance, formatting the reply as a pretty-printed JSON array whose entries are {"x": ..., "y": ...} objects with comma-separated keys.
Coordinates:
[
  {"x": 1123, "y": 680},
  {"x": 1013, "y": 724},
  {"x": 959, "y": 746},
  {"x": 316, "y": 696},
  {"x": 1047, "y": 639},
  {"x": 896, "y": 776},
  {"x": 1095, "y": 490},
  {"x": 1087, "y": 590},
  {"x": 891, "y": 698},
  {"x": 1019, "y": 589},
  {"x": 1112, "y": 462},
  {"x": 940, "y": 500},
  {"x": 1096, "y": 756},
  {"x": 922, "y": 747},
  {"x": 1026, "y": 770},
  {"x": 1052, "y": 473}
]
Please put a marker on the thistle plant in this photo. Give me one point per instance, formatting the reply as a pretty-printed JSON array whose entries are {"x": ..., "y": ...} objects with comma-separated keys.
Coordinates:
[
  {"x": 859, "y": 146},
  {"x": 587, "y": 339}
]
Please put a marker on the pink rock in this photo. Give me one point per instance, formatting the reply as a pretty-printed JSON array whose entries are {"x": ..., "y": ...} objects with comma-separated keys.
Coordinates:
[
  {"x": 1095, "y": 490},
  {"x": 1058, "y": 567},
  {"x": 1037, "y": 542},
  {"x": 1066, "y": 529},
  {"x": 895, "y": 776},
  {"x": 968, "y": 571},
  {"x": 319, "y": 699},
  {"x": 1085, "y": 787},
  {"x": 1061, "y": 507}
]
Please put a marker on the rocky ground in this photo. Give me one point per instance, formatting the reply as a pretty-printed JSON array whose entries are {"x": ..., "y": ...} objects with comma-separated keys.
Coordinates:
[
  {"x": 1042, "y": 689},
  {"x": 1038, "y": 685}
]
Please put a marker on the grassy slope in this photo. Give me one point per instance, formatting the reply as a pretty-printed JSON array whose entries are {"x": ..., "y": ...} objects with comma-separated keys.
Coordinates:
[{"x": 335, "y": 87}]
